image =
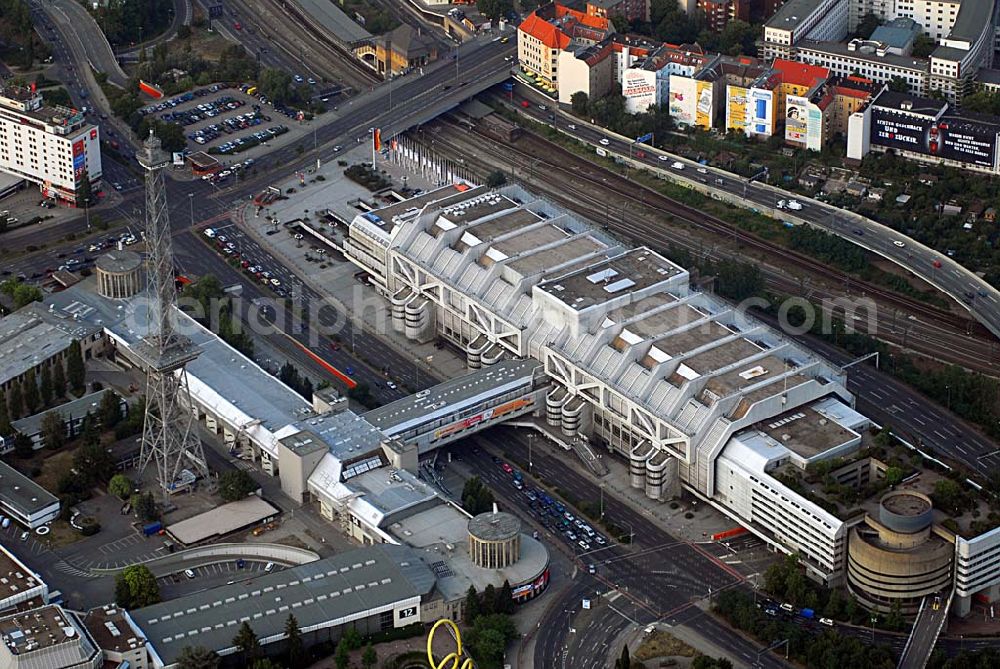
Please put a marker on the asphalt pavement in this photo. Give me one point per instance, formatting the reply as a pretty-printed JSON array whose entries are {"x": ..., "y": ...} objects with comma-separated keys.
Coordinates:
[{"x": 961, "y": 284}]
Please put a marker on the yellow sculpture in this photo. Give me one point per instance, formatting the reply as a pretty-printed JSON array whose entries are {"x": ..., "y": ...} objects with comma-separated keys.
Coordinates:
[{"x": 454, "y": 657}]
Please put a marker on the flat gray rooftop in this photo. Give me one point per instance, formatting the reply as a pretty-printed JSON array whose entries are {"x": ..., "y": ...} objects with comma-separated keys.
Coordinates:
[
  {"x": 222, "y": 520},
  {"x": 631, "y": 271},
  {"x": 77, "y": 408},
  {"x": 232, "y": 379},
  {"x": 21, "y": 493},
  {"x": 840, "y": 49},
  {"x": 806, "y": 432},
  {"x": 25, "y": 341},
  {"x": 973, "y": 16},
  {"x": 346, "y": 434},
  {"x": 393, "y": 492},
  {"x": 345, "y": 587},
  {"x": 792, "y": 14},
  {"x": 443, "y": 196},
  {"x": 345, "y": 29},
  {"x": 448, "y": 396}
]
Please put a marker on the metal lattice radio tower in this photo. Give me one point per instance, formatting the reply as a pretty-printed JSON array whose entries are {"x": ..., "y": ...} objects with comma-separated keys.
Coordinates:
[{"x": 167, "y": 436}]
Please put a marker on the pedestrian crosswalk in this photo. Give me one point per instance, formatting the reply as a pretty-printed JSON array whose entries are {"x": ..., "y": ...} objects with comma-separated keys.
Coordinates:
[{"x": 68, "y": 569}]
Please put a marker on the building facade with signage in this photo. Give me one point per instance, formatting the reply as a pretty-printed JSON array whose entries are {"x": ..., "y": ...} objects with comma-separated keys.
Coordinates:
[
  {"x": 53, "y": 147},
  {"x": 645, "y": 79},
  {"x": 925, "y": 129}
]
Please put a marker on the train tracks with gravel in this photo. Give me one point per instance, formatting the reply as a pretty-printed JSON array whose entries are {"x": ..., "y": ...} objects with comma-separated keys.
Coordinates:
[{"x": 635, "y": 213}]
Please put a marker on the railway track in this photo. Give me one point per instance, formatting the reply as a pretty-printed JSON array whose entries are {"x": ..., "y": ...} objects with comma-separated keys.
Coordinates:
[
  {"x": 588, "y": 189},
  {"x": 284, "y": 21}
]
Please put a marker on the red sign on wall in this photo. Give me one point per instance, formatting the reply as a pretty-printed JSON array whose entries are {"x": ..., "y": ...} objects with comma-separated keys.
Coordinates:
[
  {"x": 93, "y": 133},
  {"x": 77, "y": 148}
]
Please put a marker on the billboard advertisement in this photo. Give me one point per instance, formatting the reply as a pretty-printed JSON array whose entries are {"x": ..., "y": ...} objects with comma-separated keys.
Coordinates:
[
  {"x": 814, "y": 128},
  {"x": 761, "y": 112},
  {"x": 489, "y": 414},
  {"x": 639, "y": 90},
  {"x": 952, "y": 137},
  {"x": 796, "y": 119},
  {"x": 737, "y": 108},
  {"x": 691, "y": 101}
]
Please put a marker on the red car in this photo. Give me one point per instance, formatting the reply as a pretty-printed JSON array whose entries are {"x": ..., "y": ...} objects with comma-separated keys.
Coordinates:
[
  {"x": 507, "y": 468},
  {"x": 937, "y": 264},
  {"x": 237, "y": 25},
  {"x": 525, "y": 104}
]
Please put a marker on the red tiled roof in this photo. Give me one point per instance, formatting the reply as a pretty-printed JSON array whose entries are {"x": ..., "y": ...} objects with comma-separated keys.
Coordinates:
[
  {"x": 590, "y": 21},
  {"x": 545, "y": 32},
  {"x": 800, "y": 74}
]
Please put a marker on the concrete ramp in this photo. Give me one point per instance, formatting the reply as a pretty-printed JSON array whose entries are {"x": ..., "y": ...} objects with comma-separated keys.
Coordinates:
[{"x": 926, "y": 628}]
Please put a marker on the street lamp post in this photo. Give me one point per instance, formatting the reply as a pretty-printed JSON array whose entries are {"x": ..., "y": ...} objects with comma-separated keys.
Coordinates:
[{"x": 531, "y": 440}]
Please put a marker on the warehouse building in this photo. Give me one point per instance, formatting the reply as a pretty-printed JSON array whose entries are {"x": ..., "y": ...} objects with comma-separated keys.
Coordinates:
[{"x": 373, "y": 589}]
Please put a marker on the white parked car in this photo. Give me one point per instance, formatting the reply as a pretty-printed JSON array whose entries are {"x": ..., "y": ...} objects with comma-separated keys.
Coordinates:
[
  {"x": 604, "y": 141},
  {"x": 189, "y": 573}
]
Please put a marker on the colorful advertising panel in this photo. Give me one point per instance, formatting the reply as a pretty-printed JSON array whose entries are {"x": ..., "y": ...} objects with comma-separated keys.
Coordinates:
[
  {"x": 814, "y": 128},
  {"x": 952, "y": 137},
  {"x": 796, "y": 119},
  {"x": 639, "y": 90},
  {"x": 704, "y": 104},
  {"x": 489, "y": 414},
  {"x": 761, "y": 112},
  {"x": 737, "y": 108},
  {"x": 683, "y": 98}
]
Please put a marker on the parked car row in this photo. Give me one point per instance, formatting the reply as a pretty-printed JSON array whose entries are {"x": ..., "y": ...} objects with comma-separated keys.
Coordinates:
[
  {"x": 203, "y": 111},
  {"x": 250, "y": 141},
  {"x": 180, "y": 99},
  {"x": 236, "y": 168},
  {"x": 229, "y": 126}
]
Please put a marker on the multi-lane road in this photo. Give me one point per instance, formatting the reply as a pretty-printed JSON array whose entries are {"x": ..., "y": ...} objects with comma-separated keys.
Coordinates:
[
  {"x": 963, "y": 285},
  {"x": 658, "y": 579}
]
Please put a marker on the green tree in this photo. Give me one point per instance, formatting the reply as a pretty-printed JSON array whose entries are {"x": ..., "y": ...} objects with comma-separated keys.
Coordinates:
[
  {"x": 45, "y": 387},
  {"x": 895, "y": 619},
  {"x": 275, "y": 85},
  {"x": 923, "y": 46},
  {"x": 580, "y": 103},
  {"x": 369, "y": 658},
  {"x": 93, "y": 462},
  {"x": 16, "y": 404},
  {"x": 352, "y": 638},
  {"x": 110, "y": 409},
  {"x": 494, "y": 9},
  {"x": 53, "y": 430},
  {"x": 949, "y": 497},
  {"x": 489, "y": 600},
  {"x": 296, "y": 650},
  {"x": 899, "y": 85},
  {"x": 476, "y": 497},
  {"x": 893, "y": 475},
  {"x": 29, "y": 390},
  {"x": 869, "y": 22},
  {"x": 265, "y": 663},
  {"x": 120, "y": 486},
  {"x": 496, "y": 179},
  {"x": 247, "y": 643},
  {"x": 505, "y": 599},
  {"x": 22, "y": 294},
  {"x": 488, "y": 639},
  {"x": 235, "y": 485},
  {"x": 84, "y": 191},
  {"x": 58, "y": 380},
  {"x": 123, "y": 593},
  {"x": 341, "y": 658},
  {"x": 5, "y": 427},
  {"x": 145, "y": 506},
  {"x": 74, "y": 366},
  {"x": 142, "y": 588},
  {"x": 23, "y": 446},
  {"x": 472, "y": 607}
]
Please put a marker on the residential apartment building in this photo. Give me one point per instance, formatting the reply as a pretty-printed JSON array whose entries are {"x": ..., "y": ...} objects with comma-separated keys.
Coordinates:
[
  {"x": 632, "y": 10},
  {"x": 53, "y": 147},
  {"x": 550, "y": 30}
]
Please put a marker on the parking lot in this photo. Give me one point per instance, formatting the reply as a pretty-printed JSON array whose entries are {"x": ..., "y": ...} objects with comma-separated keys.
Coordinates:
[
  {"x": 228, "y": 121},
  {"x": 212, "y": 575}
]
